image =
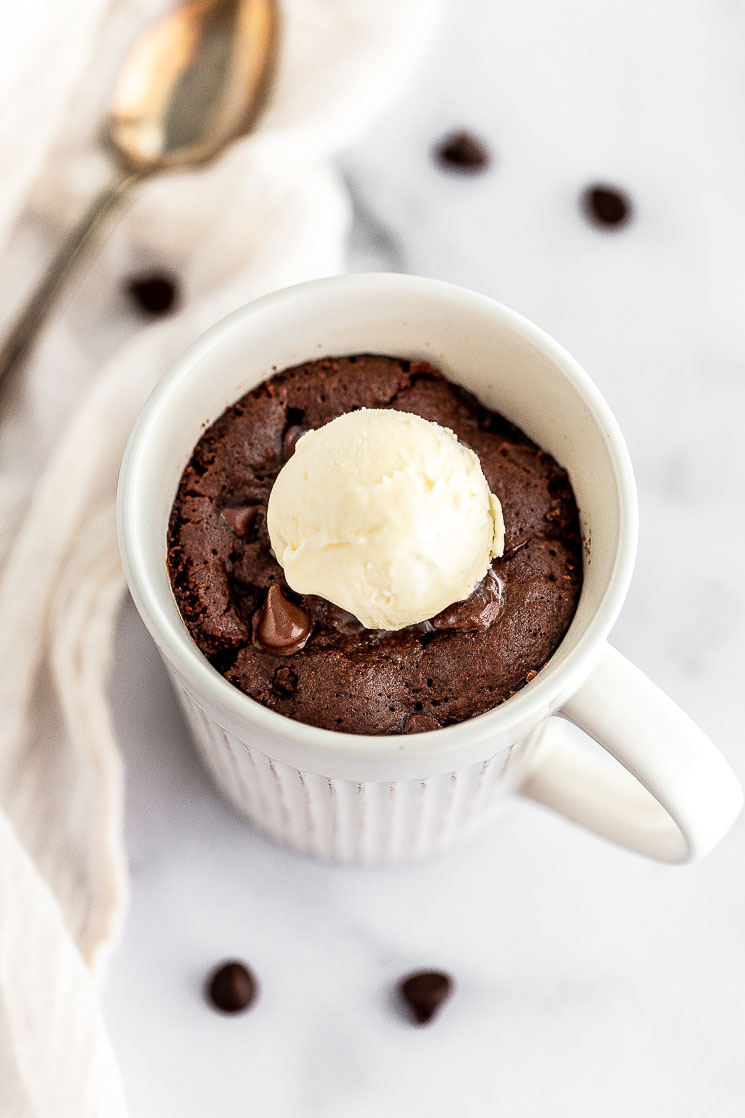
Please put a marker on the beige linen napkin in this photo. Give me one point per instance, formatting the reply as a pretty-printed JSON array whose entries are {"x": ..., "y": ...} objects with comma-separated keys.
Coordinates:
[{"x": 269, "y": 213}]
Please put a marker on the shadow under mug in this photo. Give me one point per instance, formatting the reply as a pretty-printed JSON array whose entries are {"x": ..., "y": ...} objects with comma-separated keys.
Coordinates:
[{"x": 671, "y": 795}]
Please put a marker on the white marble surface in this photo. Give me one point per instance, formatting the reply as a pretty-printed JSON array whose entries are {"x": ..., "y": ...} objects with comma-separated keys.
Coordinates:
[{"x": 591, "y": 982}]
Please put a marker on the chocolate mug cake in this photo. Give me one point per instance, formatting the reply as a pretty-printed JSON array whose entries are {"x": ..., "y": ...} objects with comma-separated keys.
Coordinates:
[{"x": 311, "y": 660}]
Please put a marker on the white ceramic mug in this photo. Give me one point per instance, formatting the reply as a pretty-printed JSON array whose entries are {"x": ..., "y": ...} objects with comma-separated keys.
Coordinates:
[{"x": 363, "y": 798}]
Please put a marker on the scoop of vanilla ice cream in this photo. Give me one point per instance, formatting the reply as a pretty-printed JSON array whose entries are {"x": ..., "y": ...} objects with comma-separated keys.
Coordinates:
[{"x": 385, "y": 514}]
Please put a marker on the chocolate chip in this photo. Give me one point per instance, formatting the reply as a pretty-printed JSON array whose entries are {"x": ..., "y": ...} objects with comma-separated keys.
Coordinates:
[
  {"x": 232, "y": 987},
  {"x": 289, "y": 440},
  {"x": 280, "y": 626},
  {"x": 154, "y": 294},
  {"x": 477, "y": 612},
  {"x": 243, "y": 520},
  {"x": 606, "y": 205},
  {"x": 463, "y": 151},
  {"x": 424, "y": 992},
  {"x": 420, "y": 724}
]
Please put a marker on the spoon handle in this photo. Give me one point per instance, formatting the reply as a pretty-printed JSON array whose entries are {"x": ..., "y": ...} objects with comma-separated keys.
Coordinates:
[{"x": 89, "y": 230}]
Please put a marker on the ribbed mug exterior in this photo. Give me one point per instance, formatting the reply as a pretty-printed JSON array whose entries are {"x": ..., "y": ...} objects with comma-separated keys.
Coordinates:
[{"x": 346, "y": 820}]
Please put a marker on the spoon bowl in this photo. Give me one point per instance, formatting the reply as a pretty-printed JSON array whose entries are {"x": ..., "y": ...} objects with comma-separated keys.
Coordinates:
[{"x": 193, "y": 83}]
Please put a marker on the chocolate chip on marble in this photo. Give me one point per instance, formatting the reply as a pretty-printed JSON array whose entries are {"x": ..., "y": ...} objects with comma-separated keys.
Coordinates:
[
  {"x": 463, "y": 151},
  {"x": 424, "y": 993},
  {"x": 477, "y": 612},
  {"x": 606, "y": 205},
  {"x": 155, "y": 294},
  {"x": 232, "y": 987},
  {"x": 280, "y": 626},
  {"x": 420, "y": 724}
]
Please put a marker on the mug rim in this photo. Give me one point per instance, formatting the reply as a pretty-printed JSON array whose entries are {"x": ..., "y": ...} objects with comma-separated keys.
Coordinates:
[{"x": 509, "y": 720}]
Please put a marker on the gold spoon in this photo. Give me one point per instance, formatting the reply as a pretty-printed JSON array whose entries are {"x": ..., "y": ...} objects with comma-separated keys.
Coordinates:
[{"x": 193, "y": 82}]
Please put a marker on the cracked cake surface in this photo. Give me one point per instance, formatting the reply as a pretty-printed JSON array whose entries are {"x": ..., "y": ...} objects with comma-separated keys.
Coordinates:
[{"x": 311, "y": 661}]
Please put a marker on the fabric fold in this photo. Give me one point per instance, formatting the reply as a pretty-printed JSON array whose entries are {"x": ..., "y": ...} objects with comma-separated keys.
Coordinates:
[{"x": 271, "y": 212}]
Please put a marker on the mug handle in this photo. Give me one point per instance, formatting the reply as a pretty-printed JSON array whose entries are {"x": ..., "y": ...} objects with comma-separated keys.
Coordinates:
[{"x": 674, "y": 798}]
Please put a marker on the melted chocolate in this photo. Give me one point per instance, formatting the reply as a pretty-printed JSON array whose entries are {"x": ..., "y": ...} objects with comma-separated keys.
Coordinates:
[
  {"x": 281, "y": 627},
  {"x": 478, "y": 612}
]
